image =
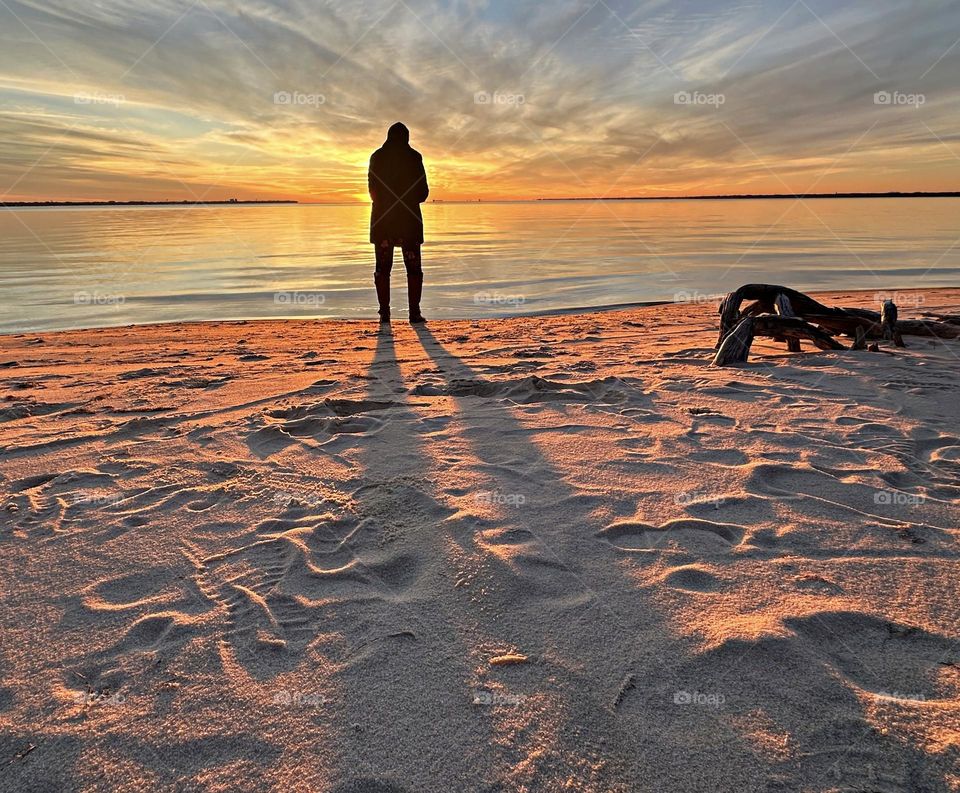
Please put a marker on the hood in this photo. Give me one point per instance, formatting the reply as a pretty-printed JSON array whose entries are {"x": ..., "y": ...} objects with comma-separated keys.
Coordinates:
[{"x": 398, "y": 134}]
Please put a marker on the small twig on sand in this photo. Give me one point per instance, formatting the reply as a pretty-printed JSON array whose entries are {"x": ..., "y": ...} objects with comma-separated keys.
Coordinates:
[
  {"x": 628, "y": 684},
  {"x": 20, "y": 755}
]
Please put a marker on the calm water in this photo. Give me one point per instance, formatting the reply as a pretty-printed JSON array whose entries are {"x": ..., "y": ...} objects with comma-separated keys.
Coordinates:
[{"x": 70, "y": 268}]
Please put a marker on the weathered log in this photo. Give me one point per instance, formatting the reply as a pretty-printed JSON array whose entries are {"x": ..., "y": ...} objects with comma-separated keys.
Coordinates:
[
  {"x": 736, "y": 345},
  {"x": 770, "y": 298},
  {"x": 861, "y": 342},
  {"x": 888, "y": 323},
  {"x": 785, "y": 309},
  {"x": 929, "y": 327},
  {"x": 766, "y": 296},
  {"x": 951, "y": 319},
  {"x": 794, "y": 328},
  {"x": 848, "y": 324},
  {"x": 729, "y": 315}
]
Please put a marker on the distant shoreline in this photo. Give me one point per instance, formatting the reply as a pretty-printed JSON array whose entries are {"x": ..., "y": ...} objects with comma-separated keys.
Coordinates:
[
  {"x": 731, "y": 197},
  {"x": 228, "y": 202},
  {"x": 755, "y": 196}
]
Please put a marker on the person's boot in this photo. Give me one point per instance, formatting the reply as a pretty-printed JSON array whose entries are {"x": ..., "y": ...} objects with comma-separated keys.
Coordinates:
[
  {"x": 414, "y": 291},
  {"x": 382, "y": 283}
]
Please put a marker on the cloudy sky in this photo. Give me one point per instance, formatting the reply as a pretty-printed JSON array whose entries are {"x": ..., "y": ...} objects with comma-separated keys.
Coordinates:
[{"x": 211, "y": 99}]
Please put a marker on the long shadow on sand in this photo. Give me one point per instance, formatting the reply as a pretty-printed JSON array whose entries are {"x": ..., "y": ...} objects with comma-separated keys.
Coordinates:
[
  {"x": 405, "y": 682},
  {"x": 618, "y": 676},
  {"x": 590, "y": 666}
]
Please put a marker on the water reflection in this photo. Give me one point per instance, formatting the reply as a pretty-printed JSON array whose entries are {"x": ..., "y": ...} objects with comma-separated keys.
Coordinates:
[{"x": 84, "y": 267}]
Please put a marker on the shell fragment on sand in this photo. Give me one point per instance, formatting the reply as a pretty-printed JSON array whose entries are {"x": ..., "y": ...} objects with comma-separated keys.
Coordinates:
[{"x": 508, "y": 658}]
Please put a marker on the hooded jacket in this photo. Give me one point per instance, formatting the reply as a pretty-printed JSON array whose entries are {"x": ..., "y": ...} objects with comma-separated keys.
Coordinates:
[{"x": 398, "y": 185}]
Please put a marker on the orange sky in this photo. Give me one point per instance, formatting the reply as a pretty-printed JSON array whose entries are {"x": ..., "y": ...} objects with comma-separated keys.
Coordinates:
[{"x": 258, "y": 100}]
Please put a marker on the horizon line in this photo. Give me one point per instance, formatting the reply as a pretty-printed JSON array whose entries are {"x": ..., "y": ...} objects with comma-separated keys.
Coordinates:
[{"x": 701, "y": 197}]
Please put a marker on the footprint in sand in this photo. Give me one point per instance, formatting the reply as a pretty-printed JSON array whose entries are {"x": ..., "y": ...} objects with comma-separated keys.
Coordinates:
[
  {"x": 700, "y": 536},
  {"x": 692, "y": 578},
  {"x": 725, "y": 457},
  {"x": 150, "y": 586},
  {"x": 811, "y": 582},
  {"x": 608, "y": 390},
  {"x": 872, "y": 655},
  {"x": 880, "y": 656},
  {"x": 157, "y": 632}
]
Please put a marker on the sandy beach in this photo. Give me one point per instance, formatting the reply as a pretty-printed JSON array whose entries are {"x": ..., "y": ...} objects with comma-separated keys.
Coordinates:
[{"x": 558, "y": 553}]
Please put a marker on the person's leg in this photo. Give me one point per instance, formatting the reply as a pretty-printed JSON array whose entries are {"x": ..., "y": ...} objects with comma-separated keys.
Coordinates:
[
  {"x": 381, "y": 278},
  {"x": 411, "y": 260}
]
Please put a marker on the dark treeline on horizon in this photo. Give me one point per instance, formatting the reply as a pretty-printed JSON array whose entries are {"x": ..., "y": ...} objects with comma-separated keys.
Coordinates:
[
  {"x": 139, "y": 203},
  {"x": 745, "y": 196},
  {"x": 730, "y": 197}
]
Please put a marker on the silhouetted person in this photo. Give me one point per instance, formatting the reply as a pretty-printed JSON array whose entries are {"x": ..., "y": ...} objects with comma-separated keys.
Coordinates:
[{"x": 398, "y": 185}]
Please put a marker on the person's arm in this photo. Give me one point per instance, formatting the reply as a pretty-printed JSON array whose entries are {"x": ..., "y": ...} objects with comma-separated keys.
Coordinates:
[
  {"x": 372, "y": 182},
  {"x": 423, "y": 189}
]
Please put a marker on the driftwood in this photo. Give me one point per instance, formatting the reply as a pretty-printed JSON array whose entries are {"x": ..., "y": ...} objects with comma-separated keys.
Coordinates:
[
  {"x": 785, "y": 314},
  {"x": 785, "y": 309},
  {"x": 861, "y": 341},
  {"x": 888, "y": 323},
  {"x": 772, "y": 299},
  {"x": 736, "y": 345},
  {"x": 950, "y": 319}
]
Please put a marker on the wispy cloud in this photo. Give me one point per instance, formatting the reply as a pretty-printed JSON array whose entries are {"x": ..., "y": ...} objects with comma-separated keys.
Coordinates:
[{"x": 250, "y": 98}]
